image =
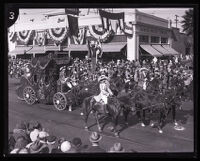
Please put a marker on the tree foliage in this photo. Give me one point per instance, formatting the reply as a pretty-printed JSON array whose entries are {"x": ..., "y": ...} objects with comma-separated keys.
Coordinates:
[{"x": 187, "y": 22}]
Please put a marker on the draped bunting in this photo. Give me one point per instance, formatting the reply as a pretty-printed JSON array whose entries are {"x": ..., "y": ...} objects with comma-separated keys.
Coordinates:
[
  {"x": 58, "y": 35},
  {"x": 40, "y": 37},
  {"x": 81, "y": 36},
  {"x": 107, "y": 18},
  {"x": 24, "y": 36},
  {"x": 128, "y": 30},
  {"x": 105, "y": 36},
  {"x": 12, "y": 36}
]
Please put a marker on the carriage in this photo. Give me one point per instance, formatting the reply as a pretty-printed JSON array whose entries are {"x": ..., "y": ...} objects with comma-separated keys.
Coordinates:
[
  {"x": 71, "y": 94},
  {"x": 39, "y": 83}
]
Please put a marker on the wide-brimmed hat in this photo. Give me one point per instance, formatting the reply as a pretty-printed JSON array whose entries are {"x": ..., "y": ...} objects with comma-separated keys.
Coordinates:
[
  {"x": 95, "y": 137},
  {"x": 43, "y": 134},
  {"x": 76, "y": 142},
  {"x": 34, "y": 135},
  {"x": 103, "y": 77},
  {"x": 117, "y": 147},
  {"x": 65, "y": 146},
  {"x": 35, "y": 147},
  {"x": 51, "y": 139}
]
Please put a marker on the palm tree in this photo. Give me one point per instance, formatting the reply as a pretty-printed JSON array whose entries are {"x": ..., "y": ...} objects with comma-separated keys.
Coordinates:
[{"x": 187, "y": 23}]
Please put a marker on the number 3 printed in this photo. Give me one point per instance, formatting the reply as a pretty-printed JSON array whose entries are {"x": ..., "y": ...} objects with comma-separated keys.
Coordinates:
[{"x": 12, "y": 15}]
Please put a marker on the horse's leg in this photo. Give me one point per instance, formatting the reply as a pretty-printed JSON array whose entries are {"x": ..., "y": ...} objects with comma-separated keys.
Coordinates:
[
  {"x": 97, "y": 120},
  {"x": 115, "y": 120},
  {"x": 173, "y": 108},
  {"x": 143, "y": 118},
  {"x": 125, "y": 113}
]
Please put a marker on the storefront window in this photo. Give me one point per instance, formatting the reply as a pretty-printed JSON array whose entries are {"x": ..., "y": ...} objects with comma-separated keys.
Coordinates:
[
  {"x": 164, "y": 40},
  {"x": 144, "y": 38},
  {"x": 154, "y": 39}
]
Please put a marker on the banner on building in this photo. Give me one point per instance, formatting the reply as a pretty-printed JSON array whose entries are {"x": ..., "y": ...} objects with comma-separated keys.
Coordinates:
[
  {"x": 40, "y": 37},
  {"x": 58, "y": 35},
  {"x": 73, "y": 25},
  {"x": 111, "y": 20},
  {"x": 81, "y": 39}
]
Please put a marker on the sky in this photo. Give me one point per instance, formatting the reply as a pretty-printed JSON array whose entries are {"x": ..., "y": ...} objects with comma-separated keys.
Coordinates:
[{"x": 166, "y": 13}]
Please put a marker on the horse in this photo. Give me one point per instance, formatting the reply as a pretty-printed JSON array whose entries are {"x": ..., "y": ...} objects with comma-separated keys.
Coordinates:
[{"x": 114, "y": 110}]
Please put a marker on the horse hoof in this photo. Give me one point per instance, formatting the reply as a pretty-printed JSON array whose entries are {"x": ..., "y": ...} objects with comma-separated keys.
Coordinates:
[
  {"x": 86, "y": 128},
  {"x": 176, "y": 124},
  {"x": 100, "y": 130},
  {"x": 116, "y": 134},
  {"x": 142, "y": 124},
  {"x": 160, "y": 131},
  {"x": 81, "y": 114},
  {"x": 152, "y": 124}
]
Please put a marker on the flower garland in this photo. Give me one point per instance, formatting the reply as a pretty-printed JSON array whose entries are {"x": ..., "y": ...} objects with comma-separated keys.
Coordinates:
[
  {"x": 81, "y": 36},
  {"x": 25, "y": 35},
  {"x": 58, "y": 35},
  {"x": 104, "y": 37},
  {"x": 40, "y": 37}
]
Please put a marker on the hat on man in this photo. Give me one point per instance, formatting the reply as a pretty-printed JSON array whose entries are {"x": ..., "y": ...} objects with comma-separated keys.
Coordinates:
[
  {"x": 77, "y": 142},
  {"x": 21, "y": 126},
  {"x": 117, "y": 147},
  {"x": 34, "y": 135},
  {"x": 95, "y": 137},
  {"x": 43, "y": 134},
  {"x": 103, "y": 77},
  {"x": 51, "y": 139},
  {"x": 65, "y": 146},
  {"x": 21, "y": 142}
]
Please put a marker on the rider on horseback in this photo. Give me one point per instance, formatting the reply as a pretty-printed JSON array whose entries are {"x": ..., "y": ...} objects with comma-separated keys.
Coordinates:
[{"x": 105, "y": 91}]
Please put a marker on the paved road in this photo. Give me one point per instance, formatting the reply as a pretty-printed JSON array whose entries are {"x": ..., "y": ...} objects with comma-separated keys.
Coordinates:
[{"x": 70, "y": 124}]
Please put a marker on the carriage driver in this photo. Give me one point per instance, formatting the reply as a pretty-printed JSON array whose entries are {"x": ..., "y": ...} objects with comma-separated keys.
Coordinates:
[{"x": 105, "y": 91}]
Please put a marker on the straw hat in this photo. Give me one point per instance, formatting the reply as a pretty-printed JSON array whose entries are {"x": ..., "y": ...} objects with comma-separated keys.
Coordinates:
[
  {"x": 95, "y": 137},
  {"x": 103, "y": 77}
]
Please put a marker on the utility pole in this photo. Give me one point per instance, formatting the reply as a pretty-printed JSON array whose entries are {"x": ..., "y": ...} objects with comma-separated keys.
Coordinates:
[{"x": 176, "y": 20}]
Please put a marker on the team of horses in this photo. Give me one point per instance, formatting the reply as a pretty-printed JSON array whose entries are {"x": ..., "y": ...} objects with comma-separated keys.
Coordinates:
[{"x": 133, "y": 98}]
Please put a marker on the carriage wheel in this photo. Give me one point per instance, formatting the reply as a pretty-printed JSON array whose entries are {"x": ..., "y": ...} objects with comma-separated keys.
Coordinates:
[
  {"x": 29, "y": 95},
  {"x": 59, "y": 101}
]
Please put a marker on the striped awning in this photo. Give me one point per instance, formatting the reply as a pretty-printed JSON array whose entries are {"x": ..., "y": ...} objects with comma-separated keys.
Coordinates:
[
  {"x": 171, "y": 50},
  {"x": 162, "y": 50},
  {"x": 149, "y": 49}
]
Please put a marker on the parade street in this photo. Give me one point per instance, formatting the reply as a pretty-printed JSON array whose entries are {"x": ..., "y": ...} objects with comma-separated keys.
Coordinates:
[{"x": 70, "y": 124}]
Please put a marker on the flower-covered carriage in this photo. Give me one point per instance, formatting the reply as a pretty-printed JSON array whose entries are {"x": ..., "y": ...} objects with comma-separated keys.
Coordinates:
[{"x": 40, "y": 83}]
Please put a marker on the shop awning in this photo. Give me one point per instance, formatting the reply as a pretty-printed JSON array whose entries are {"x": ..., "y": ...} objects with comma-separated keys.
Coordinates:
[
  {"x": 19, "y": 50},
  {"x": 113, "y": 47},
  {"x": 106, "y": 47},
  {"x": 36, "y": 50},
  {"x": 149, "y": 49},
  {"x": 162, "y": 50},
  {"x": 74, "y": 47},
  {"x": 171, "y": 50}
]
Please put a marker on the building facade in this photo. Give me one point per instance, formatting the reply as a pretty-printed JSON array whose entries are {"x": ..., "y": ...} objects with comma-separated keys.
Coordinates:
[{"x": 149, "y": 36}]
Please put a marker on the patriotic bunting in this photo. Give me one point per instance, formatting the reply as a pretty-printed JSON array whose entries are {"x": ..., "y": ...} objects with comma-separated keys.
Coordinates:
[
  {"x": 25, "y": 36},
  {"x": 105, "y": 36},
  {"x": 128, "y": 30},
  {"x": 12, "y": 36},
  {"x": 73, "y": 25},
  {"x": 58, "y": 35}
]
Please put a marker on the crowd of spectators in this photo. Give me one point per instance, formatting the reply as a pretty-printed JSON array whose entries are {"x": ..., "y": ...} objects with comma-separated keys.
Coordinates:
[{"x": 32, "y": 138}]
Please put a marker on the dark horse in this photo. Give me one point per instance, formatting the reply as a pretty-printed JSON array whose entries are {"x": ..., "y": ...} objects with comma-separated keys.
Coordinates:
[{"x": 114, "y": 109}]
